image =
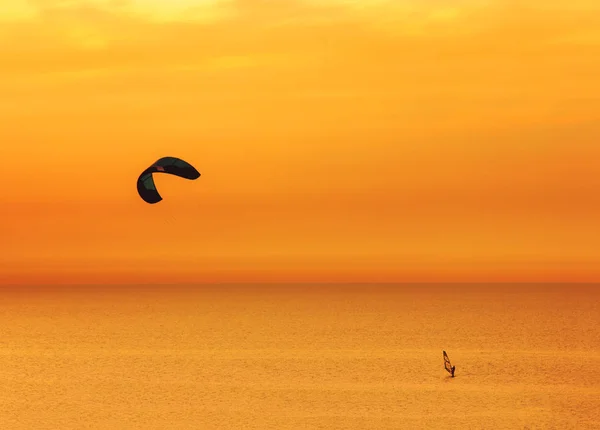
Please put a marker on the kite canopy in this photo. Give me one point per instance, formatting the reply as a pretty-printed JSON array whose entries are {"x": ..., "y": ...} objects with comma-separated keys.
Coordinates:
[{"x": 171, "y": 165}]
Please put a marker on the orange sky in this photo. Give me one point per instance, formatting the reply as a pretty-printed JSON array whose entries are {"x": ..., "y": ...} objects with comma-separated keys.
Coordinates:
[{"x": 404, "y": 140}]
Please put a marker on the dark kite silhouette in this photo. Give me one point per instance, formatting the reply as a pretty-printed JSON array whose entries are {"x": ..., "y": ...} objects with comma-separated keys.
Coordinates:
[{"x": 171, "y": 165}]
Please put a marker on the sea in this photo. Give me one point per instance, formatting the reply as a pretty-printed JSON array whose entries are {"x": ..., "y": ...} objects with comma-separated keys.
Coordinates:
[{"x": 300, "y": 357}]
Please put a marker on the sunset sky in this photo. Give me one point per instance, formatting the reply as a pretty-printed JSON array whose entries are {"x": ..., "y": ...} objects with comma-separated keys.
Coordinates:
[{"x": 367, "y": 140}]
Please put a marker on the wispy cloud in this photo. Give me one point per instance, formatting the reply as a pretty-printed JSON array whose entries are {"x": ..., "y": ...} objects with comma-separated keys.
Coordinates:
[
  {"x": 17, "y": 10},
  {"x": 459, "y": 52},
  {"x": 151, "y": 10}
]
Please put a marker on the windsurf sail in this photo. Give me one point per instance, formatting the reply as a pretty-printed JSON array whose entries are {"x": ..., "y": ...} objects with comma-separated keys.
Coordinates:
[{"x": 447, "y": 364}]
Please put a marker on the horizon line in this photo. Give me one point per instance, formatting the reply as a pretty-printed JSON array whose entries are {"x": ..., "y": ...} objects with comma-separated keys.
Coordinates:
[{"x": 308, "y": 283}]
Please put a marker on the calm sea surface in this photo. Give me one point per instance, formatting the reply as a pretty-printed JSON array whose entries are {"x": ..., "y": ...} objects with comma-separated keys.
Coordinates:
[{"x": 300, "y": 357}]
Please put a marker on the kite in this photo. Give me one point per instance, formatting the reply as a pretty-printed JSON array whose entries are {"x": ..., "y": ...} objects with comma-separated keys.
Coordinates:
[{"x": 170, "y": 165}]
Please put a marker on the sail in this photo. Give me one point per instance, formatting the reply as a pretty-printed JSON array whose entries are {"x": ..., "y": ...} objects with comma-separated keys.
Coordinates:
[{"x": 447, "y": 364}]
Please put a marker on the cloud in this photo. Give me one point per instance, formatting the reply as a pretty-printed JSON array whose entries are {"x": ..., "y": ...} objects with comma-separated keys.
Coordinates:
[
  {"x": 180, "y": 10},
  {"x": 463, "y": 52},
  {"x": 17, "y": 10},
  {"x": 416, "y": 12},
  {"x": 149, "y": 10}
]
